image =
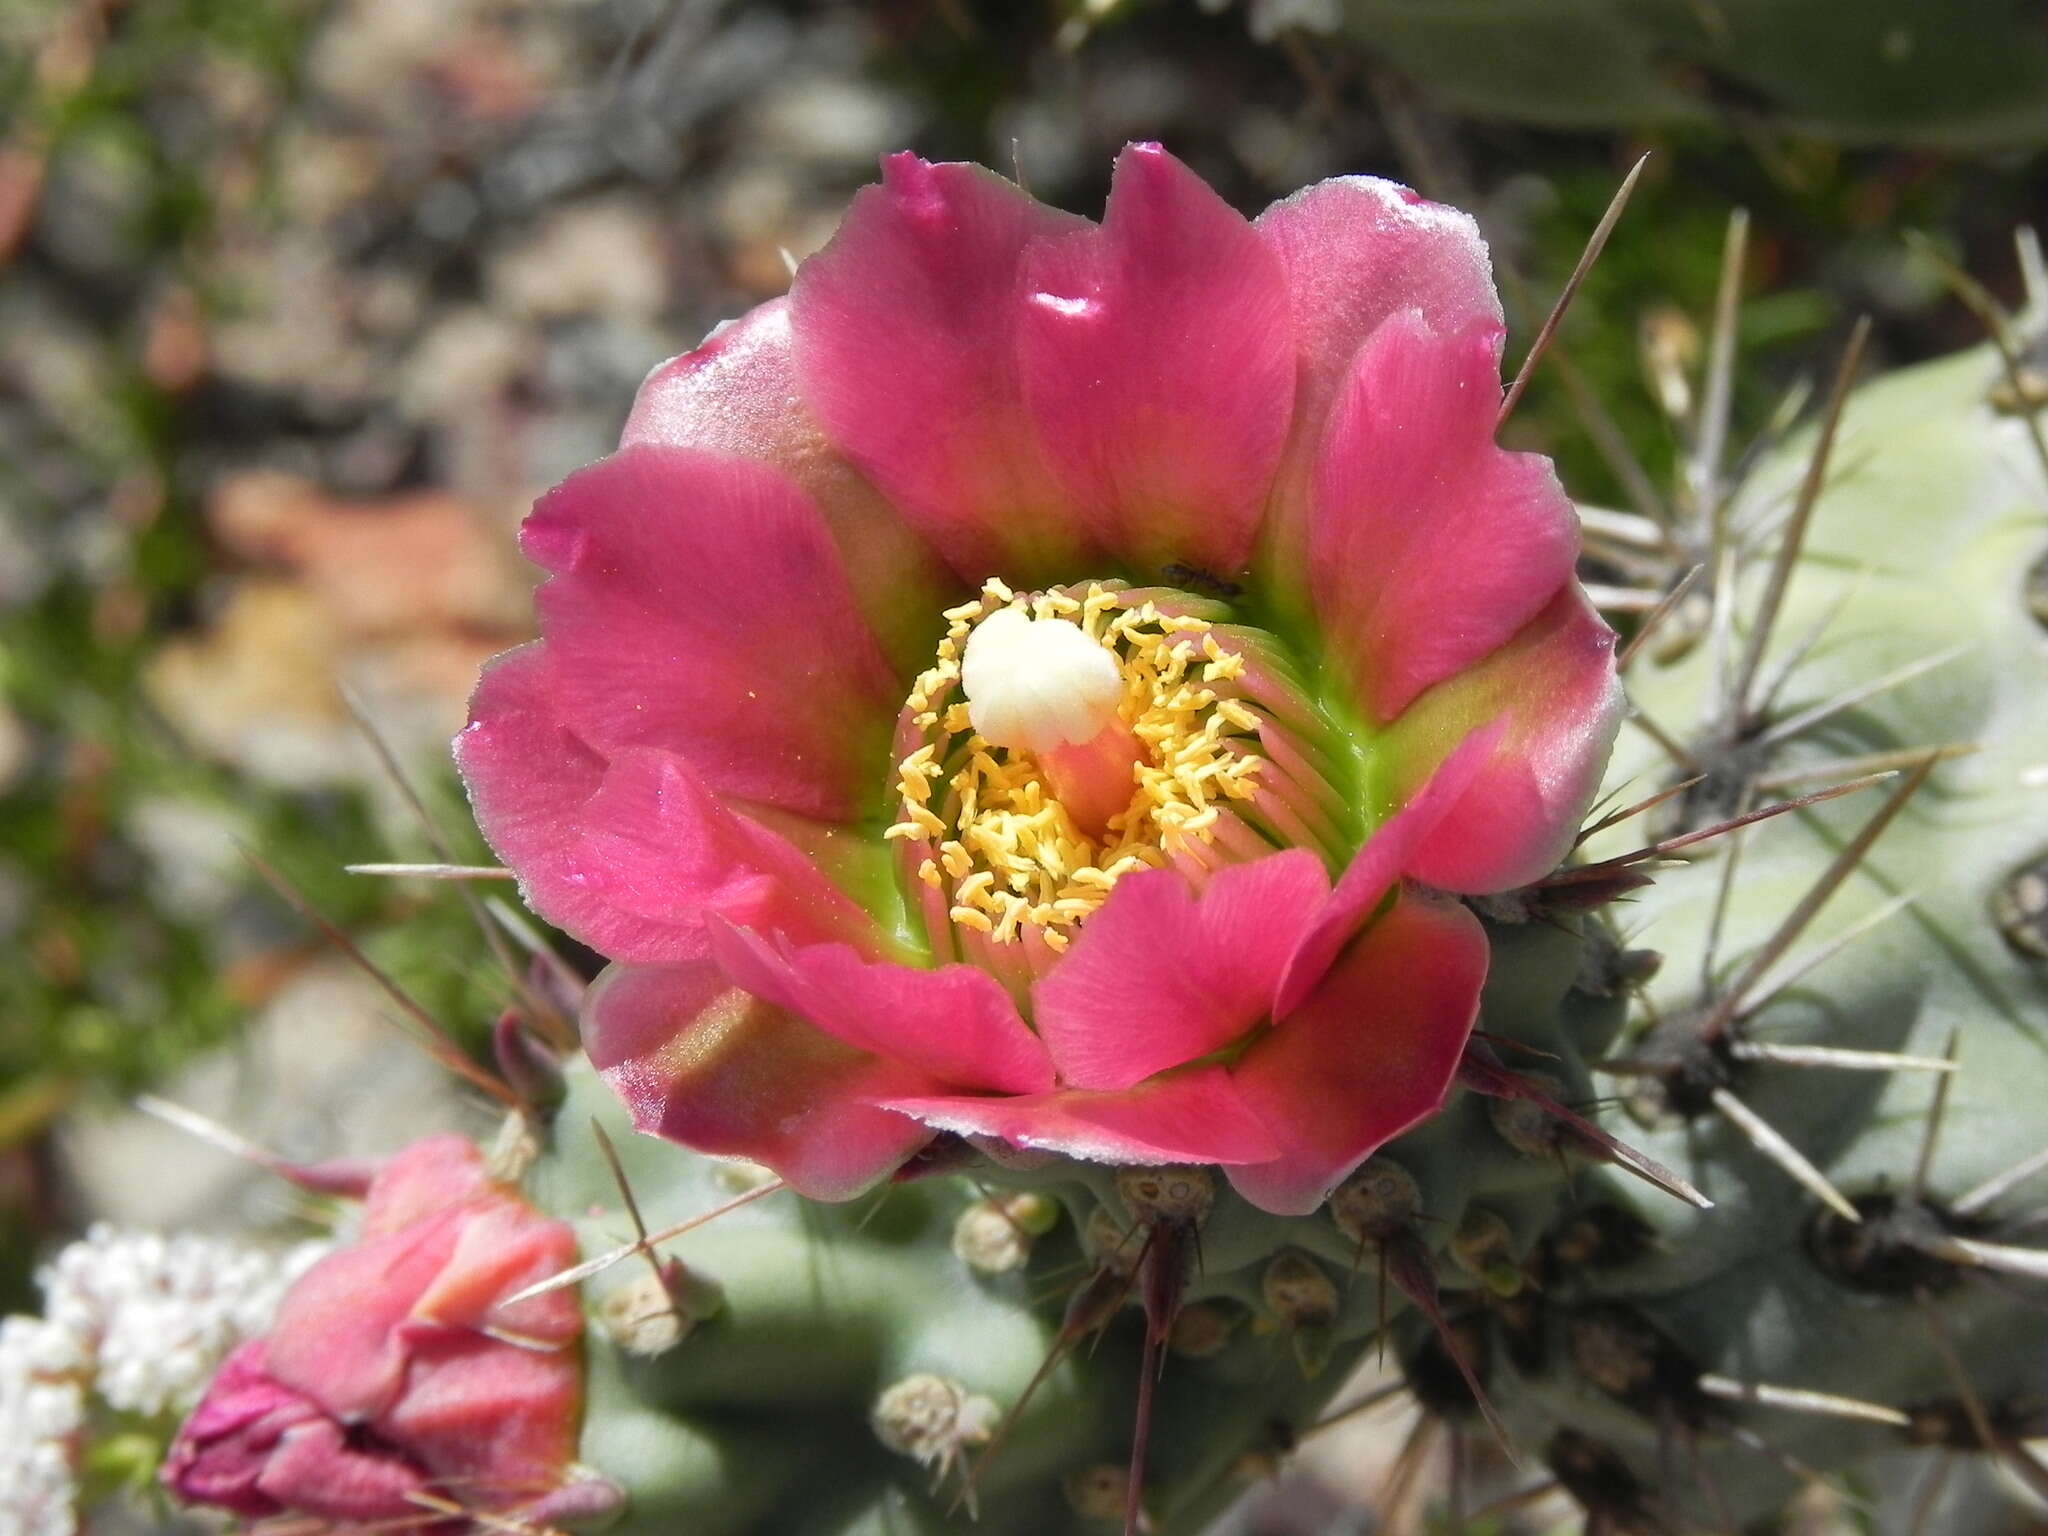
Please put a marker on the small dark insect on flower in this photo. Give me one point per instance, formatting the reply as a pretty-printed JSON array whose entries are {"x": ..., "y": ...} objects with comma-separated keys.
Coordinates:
[{"x": 1193, "y": 578}]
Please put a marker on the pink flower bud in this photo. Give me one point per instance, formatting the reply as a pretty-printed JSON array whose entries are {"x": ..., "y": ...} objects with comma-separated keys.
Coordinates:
[{"x": 396, "y": 1379}]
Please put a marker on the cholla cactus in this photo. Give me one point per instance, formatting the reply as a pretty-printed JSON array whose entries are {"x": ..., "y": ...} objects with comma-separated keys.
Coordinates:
[{"x": 1079, "y": 727}]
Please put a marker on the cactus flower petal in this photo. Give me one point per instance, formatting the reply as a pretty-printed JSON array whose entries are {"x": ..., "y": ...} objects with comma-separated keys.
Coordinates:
[
  {"x": 1358, "y": 250},
  {"x": 906, "y": 349},
  {"x": 703, "y": 608},
  {"x": 1379, "y": 865},
  {"x": 1195, "y": 1115},
  {"x": 700, "y": 1062},
  {"x": 1161, "y": 977},
  {"x": 955, "y": 1023},
  {"x": 736, "y": 394},
  {"x": 630, "y": 851},
  {"x": 1555, "y": 686},
  {"x": 1370, "y": 1052},
  {"x": 1430, "y": 545},
  {"x": 1159, "y": 369}
]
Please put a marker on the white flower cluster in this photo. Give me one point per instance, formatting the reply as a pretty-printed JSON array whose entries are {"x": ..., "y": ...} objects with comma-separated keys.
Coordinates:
[
  {"x": 141, "y": 1321},
  {"x": 42, "y": 1416},
  {"x": 156, "y": 1314}
]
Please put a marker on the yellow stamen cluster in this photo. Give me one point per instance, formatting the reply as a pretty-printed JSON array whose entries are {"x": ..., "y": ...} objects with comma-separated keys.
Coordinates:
[{"x": 1001, "y": 844}]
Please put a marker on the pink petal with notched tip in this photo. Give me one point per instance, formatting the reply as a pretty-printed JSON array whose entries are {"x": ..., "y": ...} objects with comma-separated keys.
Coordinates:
[
  {"x": 1358, "y": 249},
  {"x": 1555, "y": 687},
  {"x": 1159, "y": 976},
  {"x": 736, "y": 394},
  {"x": 1191, "y": 1116},
  {"x": 1159, "y": 368},
  {"x": 1378, "y": 866},
  {"x": 905, "y": 329},
  {"x": 954, "y": 1023},
  {"x": 702, "y": 1063},
  {"x": 626, "y": 854},
  {"x": 1429, "y": 545},
  {"x": 701, "y": 607},
  {"x": 1371, "y": 1052}
]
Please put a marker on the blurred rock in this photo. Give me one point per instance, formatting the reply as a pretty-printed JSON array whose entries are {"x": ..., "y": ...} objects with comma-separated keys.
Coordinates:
[
  {"x": 321, "y": 1073},
  {"x": 602, "y": 257},
  {"x": 256, "y": 689},
  {"x": 402, "y": 597},
  {"x": 394, "y": 566}
]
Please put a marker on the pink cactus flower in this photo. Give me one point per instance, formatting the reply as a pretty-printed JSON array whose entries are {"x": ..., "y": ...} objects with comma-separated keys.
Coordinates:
[
  {"x": 396, "y": 1381},
  {"x": 1050, "y": 681}
]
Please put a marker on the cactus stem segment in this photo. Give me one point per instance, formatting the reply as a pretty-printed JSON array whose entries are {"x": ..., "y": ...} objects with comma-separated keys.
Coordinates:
[
  {"x": 1794, "y": 726},
  {"x": 1094, "y": 1302}
]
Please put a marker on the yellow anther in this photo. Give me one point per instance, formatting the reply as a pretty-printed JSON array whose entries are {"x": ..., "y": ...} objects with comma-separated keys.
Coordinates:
[{"x": 1009, "y": 853}]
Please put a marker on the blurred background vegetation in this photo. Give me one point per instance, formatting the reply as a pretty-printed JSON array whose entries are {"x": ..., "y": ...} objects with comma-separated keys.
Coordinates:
[{"x": 300, "y": 304}]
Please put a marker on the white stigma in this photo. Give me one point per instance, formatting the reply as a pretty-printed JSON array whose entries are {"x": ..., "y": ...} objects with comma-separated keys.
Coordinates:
[{"x": 1037, "y": 684}]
